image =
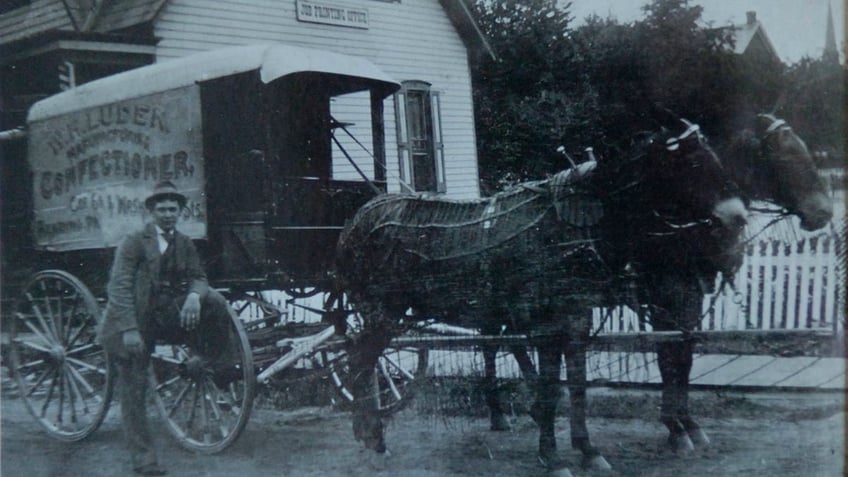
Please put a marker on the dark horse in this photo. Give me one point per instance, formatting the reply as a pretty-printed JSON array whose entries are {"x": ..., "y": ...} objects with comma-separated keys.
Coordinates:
[
  {"x": 536, "y": 257},
  {"x": 770, "y": 163}
]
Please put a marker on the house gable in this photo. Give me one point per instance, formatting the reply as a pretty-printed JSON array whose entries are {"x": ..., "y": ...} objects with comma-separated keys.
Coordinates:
[{"x": 751, "y": 40}]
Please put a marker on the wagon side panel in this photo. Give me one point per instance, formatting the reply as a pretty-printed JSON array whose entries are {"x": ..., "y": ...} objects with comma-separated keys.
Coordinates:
[{"x": 92, "y": 168}]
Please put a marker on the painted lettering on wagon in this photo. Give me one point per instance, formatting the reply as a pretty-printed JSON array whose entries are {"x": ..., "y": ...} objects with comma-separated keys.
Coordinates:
[
  {"x": 115, "y": 164},
  {"x": 93, "y": 167},
  {"x": 91, "y": 121}
]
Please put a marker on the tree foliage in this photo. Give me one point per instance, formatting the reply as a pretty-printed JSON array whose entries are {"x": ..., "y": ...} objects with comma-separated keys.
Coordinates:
[
  {"x": 814, "y": 104},
  {"x": 555, "y": 85},
  {"x": 529, "y": 98}
]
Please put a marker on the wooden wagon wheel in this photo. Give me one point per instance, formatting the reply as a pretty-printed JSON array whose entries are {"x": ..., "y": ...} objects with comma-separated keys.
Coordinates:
[
  {"x": 399, "y": 369},
  {"x": 62, "y": 373},
  {"x": 205, "y": 409}
]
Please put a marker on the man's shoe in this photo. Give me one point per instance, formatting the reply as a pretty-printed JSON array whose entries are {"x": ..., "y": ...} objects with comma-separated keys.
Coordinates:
[{"x": 150, "y": 469}]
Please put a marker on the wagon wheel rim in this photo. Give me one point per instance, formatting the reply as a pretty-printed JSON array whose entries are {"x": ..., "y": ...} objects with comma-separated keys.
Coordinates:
[
  {"x": 62, "y": 373},
  {"x": 204, "y": 409}
]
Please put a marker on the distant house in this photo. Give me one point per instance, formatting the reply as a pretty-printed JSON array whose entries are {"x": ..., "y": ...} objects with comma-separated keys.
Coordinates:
[
  {"x": 50, "y": 45},
  {"x": 751, "y": 41}
]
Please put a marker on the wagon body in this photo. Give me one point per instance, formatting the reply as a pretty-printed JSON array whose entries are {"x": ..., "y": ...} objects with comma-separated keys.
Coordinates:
[
  {"x": 244, "y": 132},
  {"x": 252, "y": 136}
]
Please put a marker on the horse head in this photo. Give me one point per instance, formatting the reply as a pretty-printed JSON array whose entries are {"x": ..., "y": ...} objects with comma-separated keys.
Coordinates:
[
  {"x": 676, "y": 195},
  {"x": 688, "y": 181},
  {"x": 772, "y": 163}
]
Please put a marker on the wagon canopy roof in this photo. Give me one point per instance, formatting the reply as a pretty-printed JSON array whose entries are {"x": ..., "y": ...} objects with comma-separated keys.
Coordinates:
[{"x": 273, "y": 61}]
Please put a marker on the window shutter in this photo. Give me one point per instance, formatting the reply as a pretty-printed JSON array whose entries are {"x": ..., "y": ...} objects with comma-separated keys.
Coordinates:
[
  {"x": 438, "y": 143},
  {"x": 404, "y": 159}
]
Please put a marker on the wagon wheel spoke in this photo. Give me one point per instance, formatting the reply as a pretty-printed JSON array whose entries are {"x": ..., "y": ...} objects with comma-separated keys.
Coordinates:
[
  {"x": 398, "y": 367},
  {"x": 218, "y": 414},
  {"x": 37, "y": 332},
  {"x": 87, "y": 347},
  {"x": 389, "y": 381},
  {"x": 83, "y": 327},
  {"x": 204, "y": 416},
  {"x": 173, "y": 408},
  {"x": 72, "y": 397},
  {"x": 50, "y": 390},
  {"x": 71, "y": 313},
  {"x": 38, "y": 382},
  {"x": 47, "y": 328},
  {"x": 88, "y": 386},
  {"x": 56, "y": 327},
  {"x": 62, "y": 384},
  {"x": 193, "y": 406},
  {"x": 78, "y": 377},
  {"x": 31, "y": 345}
]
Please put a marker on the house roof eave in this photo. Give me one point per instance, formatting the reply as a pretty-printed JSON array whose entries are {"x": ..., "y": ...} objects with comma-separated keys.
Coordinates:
[{"x": 462, "y": 19}]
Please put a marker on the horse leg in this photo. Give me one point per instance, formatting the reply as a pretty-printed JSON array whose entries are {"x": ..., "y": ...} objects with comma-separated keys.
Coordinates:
[
  {"x": 547, "y": 396},
  {"x": 575, "y": 362},
  {"x": 528, "y": 370},
  {"x": 367, "y": 422},
  {"x": 498, "y": 421},
  {"x": 675, "y": 362},
  {"x": 693, "y": 430},
  {"x": 525, "y": 364}
]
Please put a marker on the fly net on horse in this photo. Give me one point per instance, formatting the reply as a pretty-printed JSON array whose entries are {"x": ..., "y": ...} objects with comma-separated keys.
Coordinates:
[{"x": 451, "y": 257}]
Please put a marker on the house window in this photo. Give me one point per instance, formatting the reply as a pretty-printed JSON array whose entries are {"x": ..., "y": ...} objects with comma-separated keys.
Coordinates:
[{"x": 421, "y": 152}]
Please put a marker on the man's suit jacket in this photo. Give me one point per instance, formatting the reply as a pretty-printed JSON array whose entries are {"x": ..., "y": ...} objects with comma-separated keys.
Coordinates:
[{"x": 134, "y": 271}]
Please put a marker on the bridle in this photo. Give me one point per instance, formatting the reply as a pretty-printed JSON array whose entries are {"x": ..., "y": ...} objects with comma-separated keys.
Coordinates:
[
  {"x": 781, "y": 213},
  {"x": 675, "y": 225}
]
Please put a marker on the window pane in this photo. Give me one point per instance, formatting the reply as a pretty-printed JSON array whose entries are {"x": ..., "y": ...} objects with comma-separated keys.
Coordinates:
[{"x": 425, "y": 172}]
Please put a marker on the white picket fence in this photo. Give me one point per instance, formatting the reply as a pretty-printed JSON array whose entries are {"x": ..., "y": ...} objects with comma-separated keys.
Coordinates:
[{"x": 781, "y": 285}]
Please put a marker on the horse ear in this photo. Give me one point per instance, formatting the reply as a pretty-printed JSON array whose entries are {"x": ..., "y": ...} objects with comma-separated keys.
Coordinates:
[{"x": 768, "y": 123}]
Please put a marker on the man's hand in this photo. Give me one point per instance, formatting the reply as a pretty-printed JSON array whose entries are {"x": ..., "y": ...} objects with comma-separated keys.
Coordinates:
[
  {"x": 133, "y": 342},
  {"x": 190, "y": 313}
]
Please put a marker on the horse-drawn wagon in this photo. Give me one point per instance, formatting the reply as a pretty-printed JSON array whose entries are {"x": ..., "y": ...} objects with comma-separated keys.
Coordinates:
[{"x": 251, "y": 136}]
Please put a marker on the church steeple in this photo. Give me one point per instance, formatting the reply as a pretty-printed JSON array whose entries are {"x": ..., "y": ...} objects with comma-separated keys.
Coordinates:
[{"x": 831, "y": 54}]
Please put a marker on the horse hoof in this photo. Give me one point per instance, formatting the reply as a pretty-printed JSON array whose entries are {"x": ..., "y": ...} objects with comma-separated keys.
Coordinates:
[
  {"x": 500, "y": 423},
  {"x": 699, "y": 437},
  {"x": 599, "y": 463},
  {"x": 374, "y": 461},
  {"x": 681, "y": 444},
  {"x": 563, "y": 472},
  {"x": 556, "y": 466}
]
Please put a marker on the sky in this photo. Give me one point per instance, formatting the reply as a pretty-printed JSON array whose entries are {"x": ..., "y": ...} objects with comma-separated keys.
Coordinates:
[{"x": 796, "y": 28}]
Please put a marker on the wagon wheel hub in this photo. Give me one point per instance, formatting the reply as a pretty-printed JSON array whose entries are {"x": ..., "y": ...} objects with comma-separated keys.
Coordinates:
[
  {"x": 57, "y": 353},
  {"x": 193, "y": 368}
]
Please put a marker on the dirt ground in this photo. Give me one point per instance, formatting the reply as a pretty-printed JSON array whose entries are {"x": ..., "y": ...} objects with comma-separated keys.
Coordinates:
[{"x": 753, "y": 434}]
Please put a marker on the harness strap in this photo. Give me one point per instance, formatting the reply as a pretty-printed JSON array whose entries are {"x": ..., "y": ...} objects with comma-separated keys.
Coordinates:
[
  {"x": 673, "y": 144},
  {"x": 776, "y": 125}
]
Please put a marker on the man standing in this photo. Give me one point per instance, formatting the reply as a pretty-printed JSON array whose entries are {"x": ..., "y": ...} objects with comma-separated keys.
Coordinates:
[{"x": 158, "y": 290}]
